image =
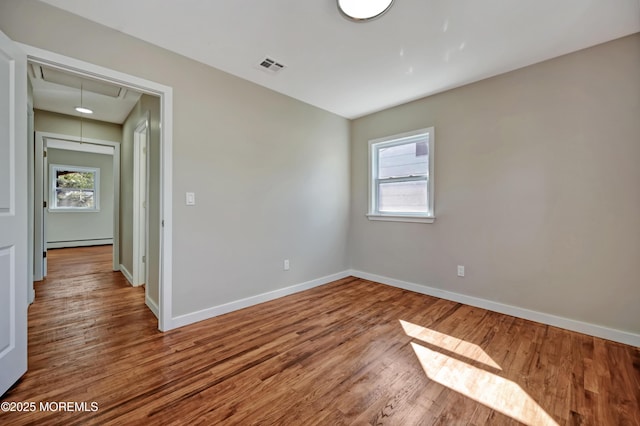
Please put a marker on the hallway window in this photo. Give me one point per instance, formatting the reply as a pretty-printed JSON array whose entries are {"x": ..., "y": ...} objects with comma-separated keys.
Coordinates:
[{"x": 74, "y": 188}]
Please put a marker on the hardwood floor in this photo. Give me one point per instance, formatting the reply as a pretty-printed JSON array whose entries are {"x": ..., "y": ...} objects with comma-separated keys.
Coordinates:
[{"x": 350, "y": 352}]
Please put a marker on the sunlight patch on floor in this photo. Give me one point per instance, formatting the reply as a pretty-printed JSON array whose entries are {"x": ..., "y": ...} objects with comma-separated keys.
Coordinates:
[
  {"x": 495, "y": 392},
  {"x": 449, "y": 343}
]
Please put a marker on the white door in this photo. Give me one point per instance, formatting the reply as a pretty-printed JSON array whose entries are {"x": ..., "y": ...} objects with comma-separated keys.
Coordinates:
[{"x": 13, "y": 213}]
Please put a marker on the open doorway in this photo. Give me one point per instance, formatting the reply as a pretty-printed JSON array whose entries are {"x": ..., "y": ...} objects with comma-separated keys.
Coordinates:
[
  {"x": 163, "y": 126},
  {"x": 77, "y": 183},
  {"x": 88, "y": 175}
]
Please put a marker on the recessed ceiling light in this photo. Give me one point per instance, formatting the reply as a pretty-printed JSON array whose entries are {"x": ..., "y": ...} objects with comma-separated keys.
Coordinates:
[
  {"x": 363, "y": 10},
  {"x": 84, "y": 110}
]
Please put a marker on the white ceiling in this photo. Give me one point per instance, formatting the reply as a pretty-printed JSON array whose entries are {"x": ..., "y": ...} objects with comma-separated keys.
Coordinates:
[
  {"x": 61, "y": 92},
  {"x": 418, "y": 48}
]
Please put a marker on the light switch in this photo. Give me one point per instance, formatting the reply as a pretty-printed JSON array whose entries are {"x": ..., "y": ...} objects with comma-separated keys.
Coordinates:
[{"x": 191, "y": 198}]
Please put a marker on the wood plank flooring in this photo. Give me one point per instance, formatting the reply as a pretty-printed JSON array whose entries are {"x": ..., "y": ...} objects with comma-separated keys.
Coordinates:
[{"x": 350, "y": 352}]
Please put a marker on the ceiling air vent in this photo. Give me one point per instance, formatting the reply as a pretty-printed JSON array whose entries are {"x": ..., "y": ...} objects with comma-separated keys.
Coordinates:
[{"x": 271, "y": 65}]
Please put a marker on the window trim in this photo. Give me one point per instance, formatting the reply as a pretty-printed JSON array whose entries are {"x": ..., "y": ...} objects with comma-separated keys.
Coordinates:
[
  {"x": 52, "y": 205},
  {"x": 400, "y": 139}
]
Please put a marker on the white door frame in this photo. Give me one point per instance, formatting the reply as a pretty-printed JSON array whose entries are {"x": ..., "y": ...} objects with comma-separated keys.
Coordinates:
[
  {"x": 140, "y": 201},
  {"x": 30, "y": 194},
  {"x": 39, "y": 186},
  {"x": 41, "y": 195},
  {"x": 86, "y": 69}
]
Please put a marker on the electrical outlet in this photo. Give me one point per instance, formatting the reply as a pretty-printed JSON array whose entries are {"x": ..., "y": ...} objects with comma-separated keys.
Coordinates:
[
  {"x": 286, "y": 265},
  {"x": 461, "y": 270}
]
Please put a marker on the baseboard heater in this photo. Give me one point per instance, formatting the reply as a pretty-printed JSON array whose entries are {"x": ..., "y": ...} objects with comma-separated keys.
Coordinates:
[{"x": 79, "y": 243}]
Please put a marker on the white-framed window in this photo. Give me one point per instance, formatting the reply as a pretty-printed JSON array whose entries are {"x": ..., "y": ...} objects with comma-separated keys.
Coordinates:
[
  {"x": 401, "y": 186},
  {"x": 74, "y": 188}
]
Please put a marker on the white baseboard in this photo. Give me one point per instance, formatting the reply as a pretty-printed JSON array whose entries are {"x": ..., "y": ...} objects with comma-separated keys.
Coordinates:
[
  {"x": 126, "y": 274},
  {"x": 152, "y": 305},
  {"x": 566, "y": 323},
  {"x": 79, "y": 243},
  {"x": 214, "y": 311}
]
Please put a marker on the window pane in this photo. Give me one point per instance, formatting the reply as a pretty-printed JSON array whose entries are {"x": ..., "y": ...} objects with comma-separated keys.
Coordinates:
[
  {"x": 75, "y": 198},
  {"x": 79, "y": 180},
  {"x": 403, "y": 197},
  {"x": 403, "y": 160}
]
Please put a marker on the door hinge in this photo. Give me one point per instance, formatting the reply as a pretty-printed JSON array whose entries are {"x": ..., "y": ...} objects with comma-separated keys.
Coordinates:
[
  {"x": 45, "y": 154},
  {"x": 44, "y": 254},
  {"x": 144, "y": 259},
  {"x": 162, "y": 223},
  {"x": 44, "y": 204}
]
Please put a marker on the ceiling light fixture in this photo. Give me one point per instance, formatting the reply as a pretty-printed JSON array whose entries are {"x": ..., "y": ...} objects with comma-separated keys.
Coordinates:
[
  {"x": 363, "y": 10},
  {"x": 84, "y": 110}
]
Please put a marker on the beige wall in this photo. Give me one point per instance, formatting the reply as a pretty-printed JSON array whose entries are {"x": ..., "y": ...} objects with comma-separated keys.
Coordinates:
[
  {"x": 270, "y": 173},
  {"x": 71, "y": 229},
  {"x": 537, "y": 189},
  {"x": 151, "y": 105},
  {"x": 53, "y": 122}
]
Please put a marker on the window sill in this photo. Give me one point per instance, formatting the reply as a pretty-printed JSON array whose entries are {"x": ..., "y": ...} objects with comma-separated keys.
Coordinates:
[{"x": 401, "y": 218}]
